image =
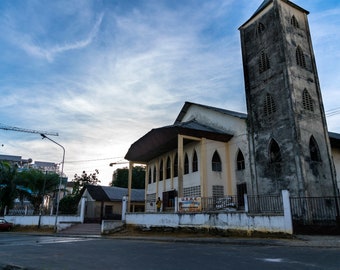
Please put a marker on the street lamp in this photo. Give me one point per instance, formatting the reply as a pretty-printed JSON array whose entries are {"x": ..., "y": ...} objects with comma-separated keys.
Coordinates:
[{"x": 60, "y": 178}]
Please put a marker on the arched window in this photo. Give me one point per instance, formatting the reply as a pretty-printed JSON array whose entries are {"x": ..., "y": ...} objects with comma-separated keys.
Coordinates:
[
  {"x": 216, "y": 163},
  {"x": 186, "y": 164},
  {"x": 194, "y": 162},
  {"x": 260, "y": 28},
  {"x": 150, "y": 176},
  {"x": 300, "y": 57},
  {"x": 154, "y": 174},
  {"x": 274, "y": 152},
  {"x": 314, "y": 150},
  {"x": 307, "y": 101},
  {"x": 176, "y": 166},
  {"x": 161, "y": 170},
  {"x": 269, "y": 105},
  {"x": 168, "y": 168},
  {"x": 263, "y": 62},
  {"x": 294, "y": 22},
  {"x": 240, "y": 161}
]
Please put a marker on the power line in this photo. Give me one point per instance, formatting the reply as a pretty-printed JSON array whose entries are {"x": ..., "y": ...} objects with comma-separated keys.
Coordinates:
[{"x": 333, "y": 112}]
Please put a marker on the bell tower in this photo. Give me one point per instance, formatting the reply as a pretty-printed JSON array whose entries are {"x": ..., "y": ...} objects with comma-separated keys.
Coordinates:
[{"x": 287, "y": 129}]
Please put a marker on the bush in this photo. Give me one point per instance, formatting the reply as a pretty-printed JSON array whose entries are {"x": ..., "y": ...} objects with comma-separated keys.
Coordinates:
[{"x": 69, "y": 205}]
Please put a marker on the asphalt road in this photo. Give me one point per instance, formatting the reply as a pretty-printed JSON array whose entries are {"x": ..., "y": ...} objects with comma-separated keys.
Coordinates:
[{"x": 49, "y": 252}]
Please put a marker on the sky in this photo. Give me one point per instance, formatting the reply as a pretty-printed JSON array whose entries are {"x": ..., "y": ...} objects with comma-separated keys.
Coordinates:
[{"x": 102, "y": 73}]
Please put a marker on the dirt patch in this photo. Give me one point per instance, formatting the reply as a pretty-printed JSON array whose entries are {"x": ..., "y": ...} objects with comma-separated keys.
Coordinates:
[
  {"x": 194, "y": 233},
  {"x": 33, "y": 229}
]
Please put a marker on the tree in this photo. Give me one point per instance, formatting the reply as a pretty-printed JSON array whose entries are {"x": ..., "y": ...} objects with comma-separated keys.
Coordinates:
[
  {"x": 35, "y": 184},
  {"x": 121, "y": 177},
  {"x": 8, "y": 190},
  {"x": 83, "y": 180}
]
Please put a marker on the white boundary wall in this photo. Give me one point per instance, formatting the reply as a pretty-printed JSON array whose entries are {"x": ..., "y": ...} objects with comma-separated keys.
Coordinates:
[
  {"x": 240, "y": 221},
  {"x": 49, "y": 221}
]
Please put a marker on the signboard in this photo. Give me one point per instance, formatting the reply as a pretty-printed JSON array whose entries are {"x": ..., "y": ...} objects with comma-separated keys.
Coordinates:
[{"x": 189, "y": 204}]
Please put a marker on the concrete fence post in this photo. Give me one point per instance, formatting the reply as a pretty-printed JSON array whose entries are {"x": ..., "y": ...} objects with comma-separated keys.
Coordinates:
[
  {"x": 287, "y": 212},
  {"x": 82, "y": 209},
  {"x": 124, "y": 207},
  {"x": 176, "y": 204},
  {"x": 246, "y": 208}
]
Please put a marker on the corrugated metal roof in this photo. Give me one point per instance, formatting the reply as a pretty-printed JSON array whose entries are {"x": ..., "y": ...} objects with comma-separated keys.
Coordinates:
[
  {"x": 106, "y": 193},
  {"x": 97, "y": 193}
]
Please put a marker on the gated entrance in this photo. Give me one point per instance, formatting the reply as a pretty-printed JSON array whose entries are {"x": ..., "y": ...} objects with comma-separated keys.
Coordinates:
[{"x": 315, "y": 215}]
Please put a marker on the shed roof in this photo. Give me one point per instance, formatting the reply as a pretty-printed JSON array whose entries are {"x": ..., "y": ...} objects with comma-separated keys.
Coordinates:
[
  {"x": 106, "y": 193},
  {"x": 97, "y": 193}
]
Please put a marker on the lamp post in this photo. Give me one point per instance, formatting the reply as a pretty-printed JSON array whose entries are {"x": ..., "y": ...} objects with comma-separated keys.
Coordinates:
[{"x": 60, "y": 178}]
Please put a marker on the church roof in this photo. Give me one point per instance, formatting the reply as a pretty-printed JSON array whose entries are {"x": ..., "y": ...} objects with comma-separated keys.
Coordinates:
[
  {"x": 188, "y": 104},
  {"x": 334, "y": 139},
  {"x": 161, "y": 140}
]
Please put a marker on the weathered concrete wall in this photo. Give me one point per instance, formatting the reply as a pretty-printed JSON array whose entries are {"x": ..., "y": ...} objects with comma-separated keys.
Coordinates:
[
  {"x": 223, "y": 221},
  {"x": 48, "y": 221}
]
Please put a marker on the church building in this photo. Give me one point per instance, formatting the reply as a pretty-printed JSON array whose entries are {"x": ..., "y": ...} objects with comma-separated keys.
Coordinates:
[{"x": 282, "y": 143}]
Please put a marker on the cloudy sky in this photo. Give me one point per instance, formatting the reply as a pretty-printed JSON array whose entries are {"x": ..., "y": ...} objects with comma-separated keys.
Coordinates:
[{"x": 102, "y": 73}]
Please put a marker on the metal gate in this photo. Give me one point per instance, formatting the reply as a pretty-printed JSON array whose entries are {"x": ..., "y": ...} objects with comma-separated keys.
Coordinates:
[{"x": 315, "y": 215}]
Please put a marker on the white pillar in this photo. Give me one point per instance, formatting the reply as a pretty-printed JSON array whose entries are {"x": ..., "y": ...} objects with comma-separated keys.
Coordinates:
[
  {"x": 82, "y": 209},
  {"x": 124, "y": 207},
  {"x": 246, "y": 208},
  {"x": 287, "y": 212}
]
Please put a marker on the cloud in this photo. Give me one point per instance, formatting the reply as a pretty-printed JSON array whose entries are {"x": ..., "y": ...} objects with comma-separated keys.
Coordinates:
[{"x": 27, "y": 42}]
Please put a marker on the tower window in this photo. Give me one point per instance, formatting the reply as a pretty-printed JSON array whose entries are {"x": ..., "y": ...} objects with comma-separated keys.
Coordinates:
[
  {"x": 294, "y": 22},
  {"x": 269, "y": 105},
  {"x": 194, "y": 162},
  {"x": 314, "y": 150},
  {"x": 263, "y": 62},
  {"x": 274, "y": 152},
  {"x": 240, "y": 161},
  {"x": 168, "y": 168},
  {"x": 186, "y": 164},
  {"x": 307, "y": 101},
  {"x": 300, "y": 57},
  {"x": 176, "y": 166},
  {"x": 216, "y": 162},
  {"x": 260, "y": 28}
]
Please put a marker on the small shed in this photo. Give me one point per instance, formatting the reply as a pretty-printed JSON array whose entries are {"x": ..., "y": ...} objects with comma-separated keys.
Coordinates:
[{"x": 104, "y": 202}]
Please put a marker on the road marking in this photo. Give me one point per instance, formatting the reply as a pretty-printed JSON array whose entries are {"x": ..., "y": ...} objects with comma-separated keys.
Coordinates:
[
  {"x": 42, "y": 241},
  {"x": 275, "y": 260}
]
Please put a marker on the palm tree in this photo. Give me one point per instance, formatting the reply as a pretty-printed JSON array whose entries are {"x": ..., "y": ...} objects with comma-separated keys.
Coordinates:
[
  {"x": 8, "y": 190},
  {"x": 37, "y": 184}
]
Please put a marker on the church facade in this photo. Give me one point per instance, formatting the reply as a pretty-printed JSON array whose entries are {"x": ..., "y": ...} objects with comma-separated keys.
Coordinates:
[{"x": 281, "y": 143}]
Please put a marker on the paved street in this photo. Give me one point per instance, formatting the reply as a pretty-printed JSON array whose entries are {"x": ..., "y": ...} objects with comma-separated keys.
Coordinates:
[{"x": 49, "y": 252}]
